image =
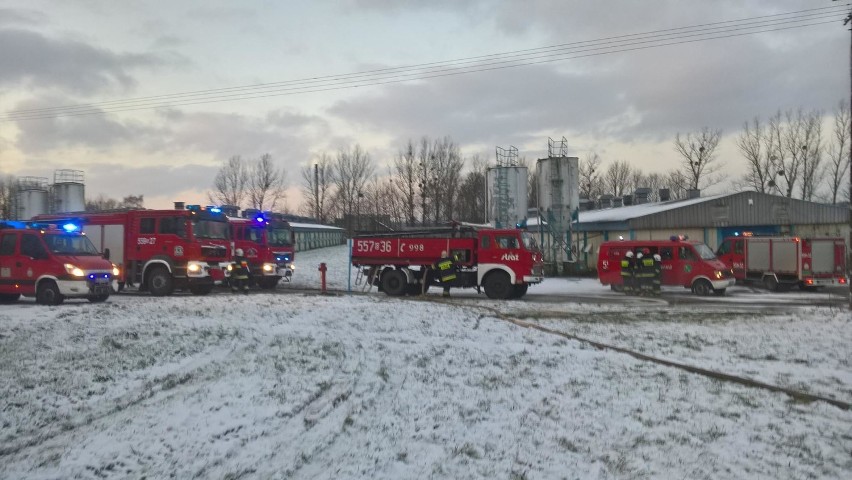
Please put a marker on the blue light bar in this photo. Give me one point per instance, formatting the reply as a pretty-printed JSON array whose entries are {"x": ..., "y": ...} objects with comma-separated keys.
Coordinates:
[
  {"x": 70, "y": 227},
  {"x": 215, "y": 209}
]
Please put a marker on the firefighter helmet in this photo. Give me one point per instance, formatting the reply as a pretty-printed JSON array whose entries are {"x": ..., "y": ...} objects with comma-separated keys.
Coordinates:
[{"x": 629, "y": 254}]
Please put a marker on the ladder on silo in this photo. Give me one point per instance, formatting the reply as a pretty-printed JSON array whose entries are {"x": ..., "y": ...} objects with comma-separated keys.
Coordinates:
[{"x": 505, "y": 158}]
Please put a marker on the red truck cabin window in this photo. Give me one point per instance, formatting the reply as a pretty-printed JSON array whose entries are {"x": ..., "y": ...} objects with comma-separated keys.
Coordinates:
[
  {"x": 7, "y": 244},
  {"x": 172, "y": 226},
  {"x": 146, "y": 225}
]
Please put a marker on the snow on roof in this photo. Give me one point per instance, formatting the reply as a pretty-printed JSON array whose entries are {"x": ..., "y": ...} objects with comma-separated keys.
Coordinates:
[
  {"x": 307, "y": 226},
  {"x": 621, "y": 214}
]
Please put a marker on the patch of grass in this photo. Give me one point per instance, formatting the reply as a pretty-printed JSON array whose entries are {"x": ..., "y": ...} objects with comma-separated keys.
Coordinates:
[
  {"x": 402, "y": 457},
  {"x": 567, "y": 445},
  {"x": 110, "y": 342},
  {"x": 383, "y": 373},
  {"x": 467, "y": 450},
  {"x": 172, "y": 380},
  {"x": 348, "y": 422}
]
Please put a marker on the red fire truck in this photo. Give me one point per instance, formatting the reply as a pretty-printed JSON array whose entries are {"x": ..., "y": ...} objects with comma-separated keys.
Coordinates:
[
  {"x": 503, "y": 262},
  {"x": 161, "y": 250},
  {"x": 52, "y": 263},
  {"x": 685, "y": 263},
  {"x": 784, "y": 262},
  {"x": 252, "y": 235}
]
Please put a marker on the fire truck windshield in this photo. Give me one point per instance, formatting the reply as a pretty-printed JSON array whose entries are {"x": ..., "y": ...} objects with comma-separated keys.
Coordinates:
[
  {"x": 210, "y": 229},
  {"x": 529, "y": 241},
  {"x": 279, "y": 237},
  {"x": 64, "y": 244},
  {"x": 704, "y": 251}
]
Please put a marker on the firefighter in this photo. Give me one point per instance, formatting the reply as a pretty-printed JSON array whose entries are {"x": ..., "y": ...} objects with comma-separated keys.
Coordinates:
[
  {"x": 658, "y": 274},
  {"x": 446, "y": 268},
  {"x": 239, "y": 272},
  {"x": 628, "y": 265},
  {"x": 645, "y": 272}
]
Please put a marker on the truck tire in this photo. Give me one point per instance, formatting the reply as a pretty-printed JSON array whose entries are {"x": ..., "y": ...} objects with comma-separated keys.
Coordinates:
[
  {"x": 394, "y": 283},
  {"x": 518, "y": 291},
  {"x": 702, "y": 287},
  {"x": 9, "y": 297},
  {"x": 770, "y": 283},
  {"x": 48, "y": 293},
  {"x": 498, "y": 286},
  {"x": 268, "y": 283},
  {"x": 160, "y": 282},
  {"x": 98, "y": 298}
]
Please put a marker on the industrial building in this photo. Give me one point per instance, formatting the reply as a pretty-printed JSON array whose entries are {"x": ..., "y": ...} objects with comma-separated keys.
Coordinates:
[{"x": 708, "y": 219}]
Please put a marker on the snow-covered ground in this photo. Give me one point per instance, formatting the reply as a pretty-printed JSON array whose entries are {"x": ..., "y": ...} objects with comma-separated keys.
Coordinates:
[{"x": 299, "y": 385}]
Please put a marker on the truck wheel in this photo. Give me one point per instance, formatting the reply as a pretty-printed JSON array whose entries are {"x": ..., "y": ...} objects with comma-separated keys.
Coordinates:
[
  {"x": 770, "y": 283},
  {"x": 9, "y": 297},
  {"x": 394, "y": 283},
  {"x": 160, "y": 282},
  {"x": 702, "y": 287},
  {"x": 98, "y": 298},
  {"x": 497, "y": 286},
  {"x": 48, "y": 293},
  {"x": 519, "y": 291},
  {"x": 268, "y": 283},
  {"x": 200, "y": 289}
]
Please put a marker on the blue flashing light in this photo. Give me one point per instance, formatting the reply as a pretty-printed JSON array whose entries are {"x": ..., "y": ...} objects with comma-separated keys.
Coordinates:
[
  {"x": 70, "y": 227},
  {"x": 259, "y": 219},
  {"x": 216, "y": 210}
]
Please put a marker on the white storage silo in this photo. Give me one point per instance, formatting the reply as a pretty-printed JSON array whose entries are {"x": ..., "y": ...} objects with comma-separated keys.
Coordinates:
[
  {"x": 31, "y": 197},
  {"x": 69, "y": 191},
  {"x": 559, "y": 202},
  {"x": 506, "y": 195}
]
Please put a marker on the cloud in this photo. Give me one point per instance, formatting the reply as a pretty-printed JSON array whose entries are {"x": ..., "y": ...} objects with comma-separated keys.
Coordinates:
[
  {"x": 10, "y": 16},
  {"x": 33, "y": 60}
]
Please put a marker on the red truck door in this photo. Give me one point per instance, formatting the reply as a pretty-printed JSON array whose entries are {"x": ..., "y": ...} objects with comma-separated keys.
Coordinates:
[
  {"x": 32, "y": 261},
  {"x": 685, "y": 265},
  {"x": 9, "y": 263},
  {"x": 731, "y": 254},
  {"x": 667, "y": 265}
]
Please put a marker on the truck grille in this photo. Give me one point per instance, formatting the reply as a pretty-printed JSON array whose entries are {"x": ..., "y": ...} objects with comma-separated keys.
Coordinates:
[{"x": 213, "y": 251}]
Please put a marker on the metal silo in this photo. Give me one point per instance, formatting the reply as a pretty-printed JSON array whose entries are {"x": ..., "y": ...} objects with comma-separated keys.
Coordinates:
[
  {"x": 69, "y": 192},
  {"x": 506, "y": 195},
  {"x": 31, "y": 197},
  {"x": 559, "y": 205}
]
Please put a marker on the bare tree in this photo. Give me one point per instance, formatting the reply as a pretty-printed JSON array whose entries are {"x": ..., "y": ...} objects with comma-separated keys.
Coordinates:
[
  {"x": 102, "y": 202},
  {"x": 230, "y": 186},
  {"x": 353, "y": 168},
  {"x": 446, "y": 169},
  {"x": 406, "y": 181},
  {"x": 678, "y": 183},
  {"x": 698, "y": 158},
  {"x": 317, "y": 187},
  {"x": 591, "y": 179},
  {"x": 812, "y": 167},
  {"x": 838, "y": 152},
  {"x": 471, "y": 200},
  {"x": 617, "y": 178},
  {"x": 266, "y": 184},
  {"x": 8, "y": 185},
  {"x": 753, "y": 144}
]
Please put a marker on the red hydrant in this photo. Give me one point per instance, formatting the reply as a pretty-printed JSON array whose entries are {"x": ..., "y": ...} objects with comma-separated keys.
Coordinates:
[{"x": 322, "y": 269}]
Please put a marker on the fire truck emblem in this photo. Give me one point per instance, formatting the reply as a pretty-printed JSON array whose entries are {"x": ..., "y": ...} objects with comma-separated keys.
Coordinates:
[
  {"x": 178, "y": 251},
  {"x": 5, "y": 272},
  {"x": 687, "y": 268},
  {"x": 251, "y": 253},
  {"x": 510, "y": 257},
  {"x": 29, "y": 272}
]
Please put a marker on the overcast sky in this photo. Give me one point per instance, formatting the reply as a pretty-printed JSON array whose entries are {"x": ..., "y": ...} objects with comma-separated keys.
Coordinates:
[{"x": 626, "y": 105}]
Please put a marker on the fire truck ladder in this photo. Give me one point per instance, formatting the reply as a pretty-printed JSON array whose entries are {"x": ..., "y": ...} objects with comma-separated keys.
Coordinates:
[{"x": 368, "y": 280}]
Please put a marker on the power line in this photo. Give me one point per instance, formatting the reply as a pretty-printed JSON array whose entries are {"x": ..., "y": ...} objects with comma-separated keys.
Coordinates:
[{"x": 514, "y": 59}]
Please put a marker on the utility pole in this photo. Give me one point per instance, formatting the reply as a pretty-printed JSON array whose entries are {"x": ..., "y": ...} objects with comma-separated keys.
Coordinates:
[{"x": 847, "y": 21}]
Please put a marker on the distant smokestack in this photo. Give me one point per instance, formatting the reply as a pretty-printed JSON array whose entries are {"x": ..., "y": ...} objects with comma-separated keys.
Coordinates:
[
  {"x": 180, "y": 206},
  {"x": 627, "y": 200},
  {"x": 693, "y": 193},
  {"x": 665, "y": 195}
]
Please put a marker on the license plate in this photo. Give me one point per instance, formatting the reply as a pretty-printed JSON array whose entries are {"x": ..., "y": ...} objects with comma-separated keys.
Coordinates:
[{"x": 101, "y": 289}]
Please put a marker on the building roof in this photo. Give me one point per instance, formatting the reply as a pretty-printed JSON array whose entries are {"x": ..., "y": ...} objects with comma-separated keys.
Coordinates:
[{"x": 735, "y": 209}]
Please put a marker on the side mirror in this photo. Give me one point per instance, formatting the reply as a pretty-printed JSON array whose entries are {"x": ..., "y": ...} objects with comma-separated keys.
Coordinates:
[{"x": 106, "y": 253}]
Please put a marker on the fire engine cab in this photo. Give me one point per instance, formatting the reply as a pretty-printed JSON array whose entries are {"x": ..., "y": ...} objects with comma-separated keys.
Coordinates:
[
  {"x": 503, "y": 262},
  {"x": 685, "y": 263},
  {"x": 252, "y": 233},
  {"x": 52, "y": 262},
  {"x": 161, "y": 250}
]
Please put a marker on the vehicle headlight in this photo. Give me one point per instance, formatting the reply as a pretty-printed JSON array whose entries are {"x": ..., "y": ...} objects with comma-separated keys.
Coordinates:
[
  {"x": 269, "y": 267},
  {"x": 717, "y": 274},
  {"x": 230, "y": 267},
  {"x": 193, "y": 268},
  {"x": 115, "y": 270},
  {"x": 73, "y": 270},
  {"x": 292, "y": 267}
]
